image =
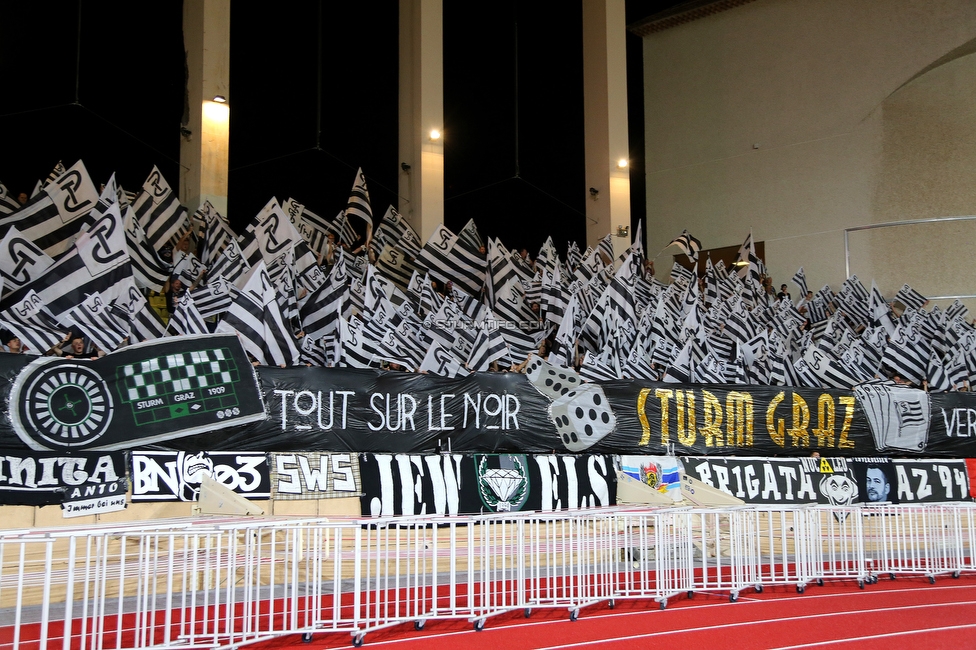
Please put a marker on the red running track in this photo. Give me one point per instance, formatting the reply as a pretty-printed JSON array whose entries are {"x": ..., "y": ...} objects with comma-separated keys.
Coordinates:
[
  {"x": 838, "y": 615},
  {"x": 889, "y": 614}
]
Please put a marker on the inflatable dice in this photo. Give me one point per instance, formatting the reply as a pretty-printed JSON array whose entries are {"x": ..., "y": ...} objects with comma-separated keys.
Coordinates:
[
  {"x": 582, "y": 417},
  {"x": 550, "y": 380}
]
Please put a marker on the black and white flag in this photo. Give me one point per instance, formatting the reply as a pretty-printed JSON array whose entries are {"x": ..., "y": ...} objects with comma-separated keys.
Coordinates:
[
  {"x": 358, "y": 207},
  {"x": 688, "y": 244},
  {"x": 255, "y": 317},
  {"x": 910, "y": 298},
  {"x": 800, "y": 280},
  {"x": 53, "y": 217},
  {"x": 186, "y": 319},
  {"x": 159, "y": 211}
]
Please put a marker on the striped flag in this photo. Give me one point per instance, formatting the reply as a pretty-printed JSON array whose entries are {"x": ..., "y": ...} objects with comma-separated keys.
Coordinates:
[
  {"x": 573, "y": 256},
  {"x": 956, "y": 310},
  {"x": 711, "y": 283},
  {"x": 103, "y": 326},
  {"x": 680, "y": 371},
  {"x": 448, "y": 260},
  {"x": 255, "y": 317},
  {"x": 800, "y": 280},
  {"x": 314, "y": 353},
  {"x": 186, "y": 319},
  {"x": 214, "y": 297},
  {"x": 688, "y": 244},
  {"x": 313, "y": 228},
  {"x": 358, "y": 208},
  {"x": 605, "y": 248},
  {"x": 230, "y": 264},
  {"x": 159, "y": 211},
  {"x": 97, "y": 262},
  {"x": 8, "y": 204},
  {"x": 936, "y": 377},
  {"x": 880, "y": 311},
  {"x": 907, "y": 355},
  {"x": 269, "y": 236},
  {"x": 55, "y": 173},
  {"x": 355, "y": 345},
  {"x": 187, "y": 267},
  {"x": 321, "y": 312},
  {"x": 681, "y": 274},
  {"x": 131, "y": 306},
  {"x": 53, "y": 217},
  {"x": 470, "y": 236},
  {"x": 217, "y": 235},
  {"x": 489, "y": 346},
  {"x": 593, "y": 369},
  {"x": 395, "y": 231},
  {"x": 397, "y": 265},
  {"x": 910, "y": 298},
  {"x": 148, "y": 269},
  {"x": 441, "y": 361},
  {"x": 33, "y": 324}
]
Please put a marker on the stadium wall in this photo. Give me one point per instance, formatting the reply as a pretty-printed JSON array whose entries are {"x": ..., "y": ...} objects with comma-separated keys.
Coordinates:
[{"x": 800, "y": 119}]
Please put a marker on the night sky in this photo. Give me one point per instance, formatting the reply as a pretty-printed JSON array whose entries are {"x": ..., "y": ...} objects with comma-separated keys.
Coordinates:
[{"x": 114, "y": 97}]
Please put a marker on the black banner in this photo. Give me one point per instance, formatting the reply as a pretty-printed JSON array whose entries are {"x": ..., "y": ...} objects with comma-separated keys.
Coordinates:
[
  {"x": 544, "y": 411},
  {"x": 37, "y": 478},
  {"x": 779, "y": 481},
  {"x": 138, "y": 395},
  {"x": 453, "y": 484},
  {"x": 911, "y": 481},
  {"x": 177, "y": 475}
]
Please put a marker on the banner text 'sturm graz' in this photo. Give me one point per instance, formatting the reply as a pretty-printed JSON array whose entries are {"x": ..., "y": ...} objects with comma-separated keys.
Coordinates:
[{"x": 201, "y": 393}]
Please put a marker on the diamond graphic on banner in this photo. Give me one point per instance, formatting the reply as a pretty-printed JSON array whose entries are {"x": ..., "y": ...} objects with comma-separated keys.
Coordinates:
[{"x": 503, "y": 481}]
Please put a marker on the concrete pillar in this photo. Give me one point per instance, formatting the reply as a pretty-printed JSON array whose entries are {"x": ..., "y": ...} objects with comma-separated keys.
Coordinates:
[
  {"x": 204, "y": 151},
  {"x": 421, "y": 112},
  {"x": 605, "y": 121}
]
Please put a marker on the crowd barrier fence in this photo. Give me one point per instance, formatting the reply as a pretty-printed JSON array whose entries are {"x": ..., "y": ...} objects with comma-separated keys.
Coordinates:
[{"x": 227, "y": 582}]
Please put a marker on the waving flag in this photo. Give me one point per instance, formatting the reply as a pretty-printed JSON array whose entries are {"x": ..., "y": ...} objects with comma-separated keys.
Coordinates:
[
  {"x": 688, "y": 244},
  {"x": 159, "y": 211}
]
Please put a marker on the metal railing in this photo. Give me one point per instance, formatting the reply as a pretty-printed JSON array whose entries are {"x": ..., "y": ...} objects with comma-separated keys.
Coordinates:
[{"x": 222, "y": 583}]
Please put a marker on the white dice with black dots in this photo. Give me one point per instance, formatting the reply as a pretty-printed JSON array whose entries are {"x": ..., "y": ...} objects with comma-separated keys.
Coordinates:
[
  {"x": 552, "y": 381},
  {"x": 583, "y": 417}
]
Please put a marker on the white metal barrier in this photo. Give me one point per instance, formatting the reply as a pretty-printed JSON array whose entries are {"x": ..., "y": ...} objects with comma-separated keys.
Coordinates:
[
  {"x": 784, "y": 546},
  {"x": 222, "y": 583},
  {"x": 917, "y": 540}
]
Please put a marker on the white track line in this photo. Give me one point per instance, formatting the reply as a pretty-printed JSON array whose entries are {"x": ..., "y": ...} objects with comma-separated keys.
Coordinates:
[
  {"x": 619, "y": 615},
  {"x": 877, "y": 636},
  {"x": 762, "y": 622}
]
